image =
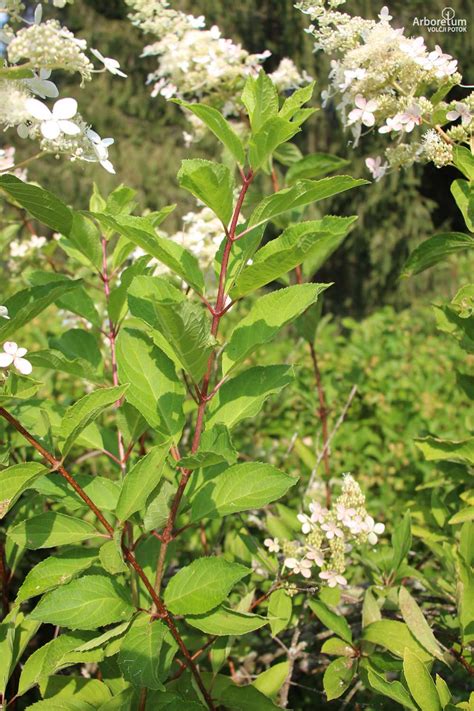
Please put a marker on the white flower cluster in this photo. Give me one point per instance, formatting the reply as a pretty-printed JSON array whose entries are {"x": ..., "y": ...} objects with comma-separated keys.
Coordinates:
[
  {"x": 38, "y": 49},
  {"x": 329, "y": 536},
  {"x": 199, "y": 64},
  {"x": 24, "y": 249},
  {"x": 385, "y": 80},
  {"x": 7, "y": 162}
]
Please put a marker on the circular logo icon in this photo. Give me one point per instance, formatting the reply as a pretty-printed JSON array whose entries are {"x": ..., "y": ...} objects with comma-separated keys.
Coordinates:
[{"x": 448, "y": 13}]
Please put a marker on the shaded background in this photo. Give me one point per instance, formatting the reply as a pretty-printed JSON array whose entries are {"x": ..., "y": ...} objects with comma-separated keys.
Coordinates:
[{"x": 394, "y": 214}]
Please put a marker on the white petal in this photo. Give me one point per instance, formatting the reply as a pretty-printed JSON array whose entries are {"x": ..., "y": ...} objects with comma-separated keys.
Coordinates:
[
  {"x": 108, "y": 142},
  {"x": 107, "y": 165},
  {"x": 368, "y": 119},
  {"x": 23, "y": 131},
  {"x": 97, "y": 54},
  {"x": 38, "y": 110},
  {"x": 68, "y": 127},
  {"x": 49, "y": 89},
  {"x": 65, "y": 109},
  {"x": 10, "y": 347},
  {"x": 21, "y": 352},
  {"x": 50, "y": 129},
  {"x": 38, "y": 14},
  {"x": 360, "y": 102},
  {"x": 5, "y": 360},
  {"x": 23, "y": 365}
]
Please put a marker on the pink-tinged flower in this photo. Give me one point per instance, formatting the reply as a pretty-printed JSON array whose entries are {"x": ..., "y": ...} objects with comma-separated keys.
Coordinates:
[
  {"x": 411, "y": 118},
  {"x": 299, "y": 567},
  {"x": 342, "y": 513},
  {"x": 364, "y": 111},
  {"x": 377, "y": 170},
  {"x": 392, "y": 124},
  {"x": 13, "y": 355},
  {"x": 356, "y": 525},
  {"x": 413, "y": 47},
  {"x": 272, "y": 544},
  {"x": 332, "y": 530},
  {"x": 332, "y": 578},
  {"x": 315, "y": 555},
  {"x": 373, "y": 530},
  {"x": 384, "y": 14},
  {"x": 54, "y": 123},
  {"x": 461, "y": 111},
  {"x": 318, "y": 512},
  {"x": 307, "y": 526}
]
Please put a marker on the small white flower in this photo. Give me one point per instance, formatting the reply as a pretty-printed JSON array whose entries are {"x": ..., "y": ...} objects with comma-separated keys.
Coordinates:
[
  {"x": 318, "y": 512},
  {"x": 299, "y": 567},
  {"x": 344, "y": 515},
  {"x": 110, "y": 64},
  {"x": 333, "y": 578},
  {"x": 376, "y": 167},
  {"x": 101, "y": 149},
  {"x": 413, "y": 47},
  {"x": 14, "y": 355},
  {"x": 332, "y": 530},
  {"x": 384, "y": 14},
  {"x": 4, "y": 312},
  {"x": 350, "y": 75},
  {"x": 315, "y": 555},
  {"x": 364, "y": 111},
  {"x": 307, "y": 526},
  {"x": 373, "y": 530},
  {"x": 55, "y": 122},
  {"x": 392, "y": 124},
  {"x": 40, "y": 85},
  {"x": 411, "y": 118},
  {"x": 460, "y": 111},
  {"x": 272, "y": 544},
  {"x": 356, "y": 525}
]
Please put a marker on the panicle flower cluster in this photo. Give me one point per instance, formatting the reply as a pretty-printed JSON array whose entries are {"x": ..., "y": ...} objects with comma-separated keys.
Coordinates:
[
  {"x": 39, "y": 48},
  {"x": 329, "y": 535},
  {"x": 387, "y": 81},
  {"x": 195, "y": 63}
]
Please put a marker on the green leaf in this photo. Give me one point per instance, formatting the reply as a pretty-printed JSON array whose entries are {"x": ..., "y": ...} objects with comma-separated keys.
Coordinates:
[
  {"x": 243, "y": 395},
  {"x": 260, "y": 98},
  {"x": 337, "y": 677},
  {"x": 439, "y": 450},
  {"x": 41, "y": 204},
  {"x": 280, "y": 608},
  {"x": 417, "y": 624},
  {"x": 265, "y": 318},
  {"x": 466, "y": 514},
  {"x": 266, "y": 140},
  {"x": 332, "y": 620},
  {"x": 86, "y": 603},
  {"x": 394, "y": 689},
  {"x": 78, "y": 344},
  {"x": 85, "y": 238},
  {"x": 463, "y": 193},
  {"x": 140, "y": 482},
  {"x": 420, "y": 683},
  {"x": 224, "y": 621},
  {"x": 465, "y": 600},
  {"x": 272, "y": 679},
  {"x": 338, "y": 648},
  {"x": 215, "y": 448},
  {"x": 315, "y": 165},
  {"x": 300, "y": 194},
  {"x": 401, "y": 541},
  {"x": 181, "y": 325},
  {"x": 15, "y": 634},
  {"x": 56, "y": 570},
  {"x": 146, "y": 653},
  {"x": 77, "y": 301},
  {"x": 434, "y": 250},
  {"x": 15, "y": 480},
  {"x": 55, "y": 360},
  {"x": 394, "y": 636},
  {"x": 464, "y": 161},
  {"x": 211, "y": 183},
  {"x": 50, "y": 529},
  {"x": 85, "y": 411},
  {"x": 202, "y": 585},
  {"x": 219, "y": 126},
  {"x": 25, "y": 305},
  {"x": 241, "y": 487},
  {"x": 297, "y": 243},
  {"x": 111, "y": 557},
  {"x": 141, "y": 232},
  {"x": 296, "y": 100},
  {"x": 155, "y": 390},
  {"x": 370, "y": 609},
  {"x": 443, "y": 691}
]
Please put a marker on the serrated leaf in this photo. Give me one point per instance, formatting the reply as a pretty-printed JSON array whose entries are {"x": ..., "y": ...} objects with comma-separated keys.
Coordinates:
[
  {"x": 243, "y": 395},
  {"x": 146, "y": 653},
  {"x": 85, "y": 238},
  {"x": 331, "y": 619},
  {"x": 337, "y": 677},
  {"x": 215, "y": 448},
  {"x": 417, "y": 624},
  {"x": 260, "y": 98},
  {"x": 266, "y": 140},
  {"x": 86, "y": 603},
  {"x": 438, "y": 450},
  {"x": 315, "y": 165},
  {"x": 140, "y": 482},
  {"x": 15, "y": 480},
  {"x": 265, "y": 318},
  {"x": 241, "y": 487},
  {"x": 211, "y": 183},
  {"x": 111, "y": 558},
  {"x": 434, "y": 250},
  {"x": 219, "y": 126},
  {"x": 56, "y": 570},
  {"x": 155, "y": 390},
  {"x": 85, "y": 411},
  {"x": 296, "y": 100},
  {"x": 50, "y": 529},
  {"x": 40, "y": 203},
  {"x": 420, "y": 683},
  {"x": 202, "y": 585},
  {"x": 223, "y": 621}
]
